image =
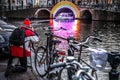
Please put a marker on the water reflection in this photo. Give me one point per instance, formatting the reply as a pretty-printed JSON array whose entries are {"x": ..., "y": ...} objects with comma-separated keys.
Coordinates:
[
  {"x": 109, "y": 32},
  {"x": 70, "y": 28}
]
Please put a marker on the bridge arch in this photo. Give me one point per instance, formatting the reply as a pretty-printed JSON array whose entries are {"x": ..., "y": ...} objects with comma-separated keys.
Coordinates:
[
  {"x": 65, "y": 6},
  {"x": 86, "y": 14},
  {"x": 42, "y": 13}
]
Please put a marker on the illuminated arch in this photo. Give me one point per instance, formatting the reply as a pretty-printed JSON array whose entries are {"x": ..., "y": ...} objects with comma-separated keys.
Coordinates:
[{"x": 64, "y": 4}]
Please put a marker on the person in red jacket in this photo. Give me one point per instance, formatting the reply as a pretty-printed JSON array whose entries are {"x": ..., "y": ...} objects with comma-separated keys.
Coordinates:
[{"x": 17, "y": 51}]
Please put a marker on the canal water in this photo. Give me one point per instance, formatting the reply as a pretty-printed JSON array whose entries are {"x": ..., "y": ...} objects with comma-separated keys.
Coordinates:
[{"x": 108, "y": 32}]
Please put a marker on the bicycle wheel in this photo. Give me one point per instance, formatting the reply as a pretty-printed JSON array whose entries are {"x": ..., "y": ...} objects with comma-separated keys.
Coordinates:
[
  {"x": 40, "y": 61},
  {"x": 66, "y": 73},
  {"x": 82, "y": 75},
  {"x": 63, "y": 74},
  {"x": 94, "y": 74}
]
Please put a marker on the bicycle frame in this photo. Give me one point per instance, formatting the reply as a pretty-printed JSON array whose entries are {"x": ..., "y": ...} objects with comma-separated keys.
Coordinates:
[
  {"x": 73, "y": 69},
  {"x": 48, "y": 56}
]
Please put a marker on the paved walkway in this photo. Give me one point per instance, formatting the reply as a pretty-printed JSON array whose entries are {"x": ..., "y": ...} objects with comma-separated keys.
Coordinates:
[{"x": 29, "y": 75}]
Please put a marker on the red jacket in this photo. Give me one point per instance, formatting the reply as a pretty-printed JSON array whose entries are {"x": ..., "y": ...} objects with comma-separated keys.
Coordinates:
[{"x": 17, "y": 51}]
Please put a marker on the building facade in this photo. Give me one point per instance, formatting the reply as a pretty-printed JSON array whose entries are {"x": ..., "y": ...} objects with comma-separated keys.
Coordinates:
[{"x": 23, "y": 4}]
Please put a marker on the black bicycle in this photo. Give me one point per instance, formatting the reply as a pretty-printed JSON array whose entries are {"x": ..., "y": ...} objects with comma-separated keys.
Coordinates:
[
  {"x": 71, "y": 67},
  {"x": 46, "y": 55}
]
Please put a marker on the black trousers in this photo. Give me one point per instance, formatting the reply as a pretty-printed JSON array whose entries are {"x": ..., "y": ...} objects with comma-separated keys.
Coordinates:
[{"x": 22, "y": 60}]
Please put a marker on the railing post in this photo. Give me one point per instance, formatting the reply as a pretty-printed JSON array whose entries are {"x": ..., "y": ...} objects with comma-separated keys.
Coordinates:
[{"x": 114, "y": 60}]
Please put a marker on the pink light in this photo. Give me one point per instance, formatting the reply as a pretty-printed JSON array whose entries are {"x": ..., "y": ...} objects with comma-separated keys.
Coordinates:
[{"x": 73, "y": 29}]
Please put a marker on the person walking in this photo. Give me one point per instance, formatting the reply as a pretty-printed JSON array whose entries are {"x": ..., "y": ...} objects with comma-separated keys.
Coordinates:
[{"x": 22, "y": 51}]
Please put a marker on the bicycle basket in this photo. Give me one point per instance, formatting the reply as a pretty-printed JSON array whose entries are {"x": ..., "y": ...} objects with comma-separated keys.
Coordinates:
[{"x": 98, "y": 59}]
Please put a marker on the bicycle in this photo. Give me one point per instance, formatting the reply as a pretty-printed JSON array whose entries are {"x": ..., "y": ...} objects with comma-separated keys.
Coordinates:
[
  {"x": 46, "y": 69},
  {"x": 46, "y": 55},
  {"x": 77, "y": 71},
  {"x": 71, "y": 68}
]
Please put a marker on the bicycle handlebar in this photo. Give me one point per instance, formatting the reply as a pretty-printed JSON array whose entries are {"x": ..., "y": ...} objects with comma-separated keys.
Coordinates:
[
  {"x": 71, "y": 39},
  {"x": 76, "y": 43},
  {"x": 97, "y": 39},
  {"x": 70, "y": 60},
  {"x": 91, "y": 37},
  {"x": 52, "y": 66}
]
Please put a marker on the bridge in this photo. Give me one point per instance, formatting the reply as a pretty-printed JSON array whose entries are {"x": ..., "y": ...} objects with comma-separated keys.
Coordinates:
[{"x": 86, "y": 12}]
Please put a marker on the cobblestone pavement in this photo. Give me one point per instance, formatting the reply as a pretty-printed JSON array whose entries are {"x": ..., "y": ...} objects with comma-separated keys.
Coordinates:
[{"x": 29, "y": 75}]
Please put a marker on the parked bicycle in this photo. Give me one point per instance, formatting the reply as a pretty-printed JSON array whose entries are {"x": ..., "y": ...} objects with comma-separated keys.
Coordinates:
[
  {"x": 76, "y": 70},
  {"x": 70, "y": 69},
  {"x": 46, "y": 55}
]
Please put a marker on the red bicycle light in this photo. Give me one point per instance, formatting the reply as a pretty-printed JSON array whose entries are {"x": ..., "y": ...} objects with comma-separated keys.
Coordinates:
[
  {"x": 61, "y": 59},
  {"x": 61, "y": 53}
]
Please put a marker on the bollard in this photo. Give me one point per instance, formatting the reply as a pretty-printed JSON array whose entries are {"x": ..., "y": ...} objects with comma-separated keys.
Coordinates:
[{"x": 114, "y": 60}]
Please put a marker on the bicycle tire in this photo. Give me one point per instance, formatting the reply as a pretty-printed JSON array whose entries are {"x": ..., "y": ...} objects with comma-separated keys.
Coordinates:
[
  {"x": 63, "y": 74},
  {"x": 82, "y": 75},
  {"x": 91, "y": 70},
  {"x": 40, "y": 61},
  {"x": 94, "y": 74},
  {"x": 67, "y": 73}
]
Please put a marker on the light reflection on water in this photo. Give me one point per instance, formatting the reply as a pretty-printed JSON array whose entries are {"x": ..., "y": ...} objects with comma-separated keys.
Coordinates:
[
  {"x": 70, "y": 28},
  {"x": 109, "y": 32}
]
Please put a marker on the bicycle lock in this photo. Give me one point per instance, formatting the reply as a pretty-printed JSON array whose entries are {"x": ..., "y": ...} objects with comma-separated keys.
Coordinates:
[{"x": 114, "y": 60}]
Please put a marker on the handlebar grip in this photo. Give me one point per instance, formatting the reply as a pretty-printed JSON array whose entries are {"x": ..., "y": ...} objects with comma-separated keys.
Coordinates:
[
  {"x": 86, "y": 46},
  {"x": 98, "y": 39},
  {"x": 57, "y": 65}
]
